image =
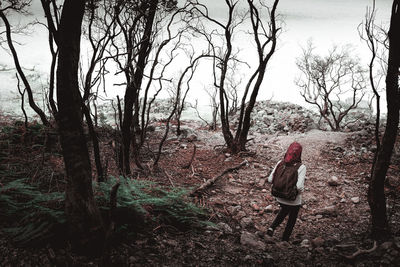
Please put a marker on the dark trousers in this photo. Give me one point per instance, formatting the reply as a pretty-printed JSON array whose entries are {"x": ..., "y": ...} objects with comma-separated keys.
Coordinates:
[{"x": 293, "y": 211}]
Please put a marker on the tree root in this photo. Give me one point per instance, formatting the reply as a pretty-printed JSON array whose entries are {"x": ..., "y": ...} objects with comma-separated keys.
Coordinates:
[{"x": 361, "y": 251}]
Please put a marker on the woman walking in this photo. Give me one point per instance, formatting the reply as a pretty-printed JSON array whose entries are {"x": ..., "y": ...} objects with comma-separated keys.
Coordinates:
[{"x": 288, "y": 183}]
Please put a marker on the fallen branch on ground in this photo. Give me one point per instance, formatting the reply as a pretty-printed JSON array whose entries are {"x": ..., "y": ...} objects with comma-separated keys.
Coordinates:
[
  {"x": 211, "y": 181},
  {"x": 361, "y": 251}
]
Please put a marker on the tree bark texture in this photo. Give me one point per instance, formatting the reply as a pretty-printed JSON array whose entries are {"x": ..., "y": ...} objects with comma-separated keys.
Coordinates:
[
  {"x": 132, "y": 91},
  {"x": 85, "y": 223},
  {"x": 376, "y": 194}
]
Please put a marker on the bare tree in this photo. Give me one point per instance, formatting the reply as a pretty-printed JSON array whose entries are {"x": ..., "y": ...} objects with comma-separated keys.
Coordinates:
[
  {"x": 85, "y": 223},
  {"x": 376, "y": 193},
  {"x": 20, "y": 6},
  {"x": 137, "y": 50},
  {"x": 325, "y": 82},
  {"x": 375, "y": 38},
  {"x": 264, "y": 32},
  {"x": 99, "y": 35},
  {"x": 214, "y": 105}
]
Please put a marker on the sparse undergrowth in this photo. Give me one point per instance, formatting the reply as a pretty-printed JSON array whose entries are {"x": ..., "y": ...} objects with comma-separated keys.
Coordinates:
[{"x": 158, "y": 225}]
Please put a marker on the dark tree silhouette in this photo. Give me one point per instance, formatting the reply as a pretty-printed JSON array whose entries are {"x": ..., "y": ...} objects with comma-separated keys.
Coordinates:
[
  {"x": 376, "y": 39},
  {"x": 376, "y": 193}
]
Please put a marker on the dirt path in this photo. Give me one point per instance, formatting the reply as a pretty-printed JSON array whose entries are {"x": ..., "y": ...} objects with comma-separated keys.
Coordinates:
[
  {"x": 330, "y": 215},
  {"x": 314, "y": 143}
]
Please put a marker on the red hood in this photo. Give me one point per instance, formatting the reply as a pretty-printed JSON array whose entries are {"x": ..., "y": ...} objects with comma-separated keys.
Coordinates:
[{"x": 293, "y": 153}]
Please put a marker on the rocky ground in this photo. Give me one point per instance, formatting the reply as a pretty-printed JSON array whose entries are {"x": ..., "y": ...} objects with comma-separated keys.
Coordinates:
[{"x": 333, "y": 222}]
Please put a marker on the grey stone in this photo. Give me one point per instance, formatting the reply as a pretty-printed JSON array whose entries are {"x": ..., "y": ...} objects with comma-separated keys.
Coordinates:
[
  {"x": 305, "y": 243},
  {"x": 183, "y": 146},
  {"x": 269, "y": 208},
  {"x": 328, "y": 211},
  {"x": 249, "y": 239},
  {"x": 246, "y": 222},
  {"x": 192, "y": 137},
  {"x": 318, "y": 242},
  {"x": 355, "y": 200},
  {"x": 333, "y": 181},
  {"x": 248, "y": 258}
]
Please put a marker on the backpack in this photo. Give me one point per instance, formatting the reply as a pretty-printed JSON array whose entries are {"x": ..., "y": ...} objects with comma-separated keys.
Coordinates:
[{"x": 285, "y": 180}]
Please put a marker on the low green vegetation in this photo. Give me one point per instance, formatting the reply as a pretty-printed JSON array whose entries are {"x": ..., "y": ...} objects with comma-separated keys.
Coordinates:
[{"x": 37, "y": 218}]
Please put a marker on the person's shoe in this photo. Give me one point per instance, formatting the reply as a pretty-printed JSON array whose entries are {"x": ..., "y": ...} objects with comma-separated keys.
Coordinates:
[{"x": 270, "y": 232}]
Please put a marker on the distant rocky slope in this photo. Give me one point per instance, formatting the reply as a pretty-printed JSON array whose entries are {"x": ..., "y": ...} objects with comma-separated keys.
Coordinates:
[{"x": 270, "y": 117}]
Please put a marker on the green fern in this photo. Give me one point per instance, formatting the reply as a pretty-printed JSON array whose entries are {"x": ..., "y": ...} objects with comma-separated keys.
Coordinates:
[
  {"x": 41, "y": 218},
  {"x": 168, "y": 205}
]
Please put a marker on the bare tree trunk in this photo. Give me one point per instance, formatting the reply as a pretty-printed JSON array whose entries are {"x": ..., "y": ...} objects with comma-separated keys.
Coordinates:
[
  {"x": 376, "y": 194},
  {"x": 84, "y": 220},
  {"x": 132, "y": 91},
  {"x": 21, "y": 73},
  {"x": 95, "y": 143},
  {"x": 263, "y": 61},
  {"x": 22, "y": 93}
]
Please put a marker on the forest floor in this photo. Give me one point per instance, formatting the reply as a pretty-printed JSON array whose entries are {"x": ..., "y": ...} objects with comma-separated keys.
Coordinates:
[{"x": 333, "y": 222}]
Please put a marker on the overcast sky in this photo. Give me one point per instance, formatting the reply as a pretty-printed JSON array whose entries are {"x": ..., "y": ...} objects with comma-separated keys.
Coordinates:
[{"x": 327, "y": 22}]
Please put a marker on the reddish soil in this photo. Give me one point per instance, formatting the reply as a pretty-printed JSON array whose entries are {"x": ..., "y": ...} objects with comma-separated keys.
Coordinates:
[{"x": 332, "y": 222}]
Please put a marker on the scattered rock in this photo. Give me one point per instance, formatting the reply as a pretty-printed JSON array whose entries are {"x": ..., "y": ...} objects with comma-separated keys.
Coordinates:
[
  {"x": 271, "y": 117},
  {"x": 249, "y": 239},
  {"x": 318, "y": 242},
  {"x": 283, "y": 245},
  {"x": 386, "y": 245},
  {"x": 355, "y": 200},
  {"x": 255, "y": 207},
  {"x": 268, "y": 239},
  {"x": 269, "y": 208},
  {"x": 248, "y": 258},
  {"x": 241, "y": 214},
  {"x": 192, "y": 137},
  {"x": 246, "y": 222},
  {"x": 225, "y": 227},
  {"x": 333, "y": 181},
  {"x": 305, "y": 243},
  {"x": 328, "y": 211},
  {"x": 170, "y": 242},
  {"x": 233, "y": 209},
  {"x": 183, "y": 146}
]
